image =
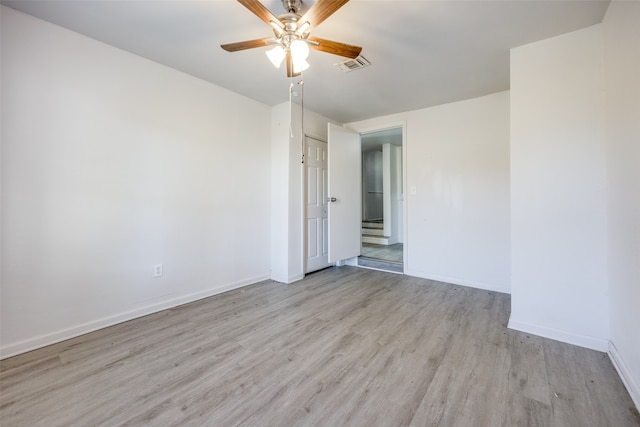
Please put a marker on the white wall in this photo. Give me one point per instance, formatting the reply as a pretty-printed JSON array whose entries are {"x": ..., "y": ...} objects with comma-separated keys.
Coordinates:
[
  {"x": 111, "y": 164},
  {"x": 392, "y": 196},
  {"x": 287, "y": 179},
  {"x": 397, "y": 195},
  {"x": 558, "y": 223},
  {"x": 372, "y": 185},
  {"x": 457, "y": 160},
  {"x": 622, "y": 91}
]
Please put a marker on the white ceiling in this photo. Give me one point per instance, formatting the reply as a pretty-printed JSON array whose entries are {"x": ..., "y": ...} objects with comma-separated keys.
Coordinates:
[{"x": 423, "y": 52}]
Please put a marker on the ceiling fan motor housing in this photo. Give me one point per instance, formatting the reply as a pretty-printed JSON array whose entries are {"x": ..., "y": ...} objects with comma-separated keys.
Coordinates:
[{"x": 290, "y": 21}]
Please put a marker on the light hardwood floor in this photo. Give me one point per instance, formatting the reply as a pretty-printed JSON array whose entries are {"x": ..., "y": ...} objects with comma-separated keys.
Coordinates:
[{"x": 343, "y": 347}]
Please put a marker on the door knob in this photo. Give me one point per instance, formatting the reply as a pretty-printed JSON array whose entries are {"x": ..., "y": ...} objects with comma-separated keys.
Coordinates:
[{"x": 331, "y": 199}]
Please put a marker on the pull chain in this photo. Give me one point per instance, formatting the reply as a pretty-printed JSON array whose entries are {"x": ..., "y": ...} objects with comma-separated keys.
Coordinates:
[
  {"x": 291, "y": 108},
  {"x": 291, "y": 86},
  {"x": 301, "y": 83}
]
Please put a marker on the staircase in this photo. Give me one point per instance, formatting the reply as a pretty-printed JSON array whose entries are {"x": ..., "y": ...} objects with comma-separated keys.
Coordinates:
[{"x": 372, "y": 232}]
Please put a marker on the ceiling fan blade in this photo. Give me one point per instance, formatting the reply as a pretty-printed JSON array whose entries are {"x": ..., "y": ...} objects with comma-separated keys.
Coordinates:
[
  {"x": 261, "y": 12},
  {"x": 336, "y": 48},
  {"x": 249, "y": 44},
  {"x": 319, "y": 12}
]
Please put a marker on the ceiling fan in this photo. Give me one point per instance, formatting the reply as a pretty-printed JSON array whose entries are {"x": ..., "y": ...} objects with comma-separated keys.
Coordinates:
[{"x": 292, "y": 38}]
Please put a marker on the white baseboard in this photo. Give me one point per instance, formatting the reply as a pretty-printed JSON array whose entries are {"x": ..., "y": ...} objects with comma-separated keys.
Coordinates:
[
  {"x": 65, "y": 334},
  {"x": 593, "y": 343},
  {"x": 456, "y": 281},
  {"x": 295, "y": 278},
  {"x": 618, "y": 362},
  {"x": 289, "y": 279},
  {"x": 349, "y": 261}
]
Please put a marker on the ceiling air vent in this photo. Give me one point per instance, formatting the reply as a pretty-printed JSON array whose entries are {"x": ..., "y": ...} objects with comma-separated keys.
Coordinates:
[{"x": 353, "y": 64}]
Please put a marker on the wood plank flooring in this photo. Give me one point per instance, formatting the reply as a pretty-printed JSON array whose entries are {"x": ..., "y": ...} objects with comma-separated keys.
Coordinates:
[{"x": 343, "y": 347}]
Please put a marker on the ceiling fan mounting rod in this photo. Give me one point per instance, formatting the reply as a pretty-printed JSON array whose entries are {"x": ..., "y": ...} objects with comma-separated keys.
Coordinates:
[{"x": 291, "y": 6}]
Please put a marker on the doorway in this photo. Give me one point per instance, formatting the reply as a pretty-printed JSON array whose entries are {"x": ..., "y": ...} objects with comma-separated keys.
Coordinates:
[
  {"x": 382, "y": 228},
  {"x": 342, "y": 231}
]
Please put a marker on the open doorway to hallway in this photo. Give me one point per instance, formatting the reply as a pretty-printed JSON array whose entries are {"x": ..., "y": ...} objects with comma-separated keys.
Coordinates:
[{"x": 382, "y": 227}]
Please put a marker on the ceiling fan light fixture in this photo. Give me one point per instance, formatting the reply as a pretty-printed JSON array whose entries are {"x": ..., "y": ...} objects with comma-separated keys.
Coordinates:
[
  {"x": 276, "y": 55},
  {"x": 299, "y": 49},
  {"x": 299, "y": 65}
]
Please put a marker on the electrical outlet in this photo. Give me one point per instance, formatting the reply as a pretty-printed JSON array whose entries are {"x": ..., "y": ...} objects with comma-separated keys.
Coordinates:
[{"x": 157, "y": 270}]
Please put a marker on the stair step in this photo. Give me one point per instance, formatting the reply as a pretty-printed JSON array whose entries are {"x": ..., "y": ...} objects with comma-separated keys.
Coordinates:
[
  {"x": 378, "y": 240},
  {"x": 369, "y": 224},
  {"x": 372, "y": 231}
]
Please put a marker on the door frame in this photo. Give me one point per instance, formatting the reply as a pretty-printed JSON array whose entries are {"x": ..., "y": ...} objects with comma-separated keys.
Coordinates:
[{"x": 371, "y": 127}]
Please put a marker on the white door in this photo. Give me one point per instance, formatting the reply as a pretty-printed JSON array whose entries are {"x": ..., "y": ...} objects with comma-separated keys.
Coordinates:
[
  {"x": 317, "y": 219},
  {"x": 345, "y": 187}
]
